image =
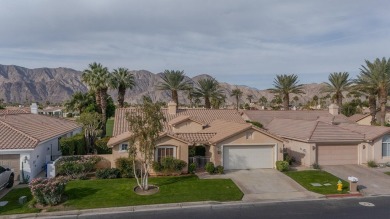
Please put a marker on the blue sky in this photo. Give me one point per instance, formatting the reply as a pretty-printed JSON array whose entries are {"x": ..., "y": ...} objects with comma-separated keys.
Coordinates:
[{"x": 243, "y": 42}]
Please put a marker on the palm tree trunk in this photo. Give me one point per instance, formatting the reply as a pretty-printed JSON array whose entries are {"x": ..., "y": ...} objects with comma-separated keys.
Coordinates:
[
  {"x": 286, "y": 101},
  {"x": 207, "y": 102},
  {"x": 121, "y": 96},
  {"x": 383, "y": 101},
  {"x": 372, "y": 106},
  {"x": 175, "y": 98},
  {"x": 98, "y": 98},
  {"x": 103, "y": 96},
  {"x": 237, "y": 102},
  {"x": 340, "y": 101}
]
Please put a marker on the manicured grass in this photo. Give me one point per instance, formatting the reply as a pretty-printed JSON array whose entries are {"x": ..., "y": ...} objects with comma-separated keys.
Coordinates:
[
  {"x": 119, "y": 192},
  {"x": 388, "y": 173},
  {"x": 84, "y": 194},
  {"x": 306, "y": 177},
  {"x": 109, "y": 126},
  {"x": 13, "y": 206}
]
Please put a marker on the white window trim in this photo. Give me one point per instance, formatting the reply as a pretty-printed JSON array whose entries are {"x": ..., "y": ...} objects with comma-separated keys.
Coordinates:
[
  {"x": 120, "y": 147},
  {"x": 388, "y": 144},
  {"x": 166, "y": 146}
]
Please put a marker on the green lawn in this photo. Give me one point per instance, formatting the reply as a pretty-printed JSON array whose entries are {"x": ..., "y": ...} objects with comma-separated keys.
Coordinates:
[
  {"x": 84, "y": 194},
  {"x": 109, "y": 126},
  {"x": 388, "y": 173},
  {"x": 13, "y": 206},
  {"x": 306, "y": 177}
]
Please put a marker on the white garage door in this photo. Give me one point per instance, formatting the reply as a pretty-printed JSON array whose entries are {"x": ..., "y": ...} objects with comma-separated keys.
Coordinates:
[
  {"x": 337, "y": 154},
  {"x": 248, "y": 157}
]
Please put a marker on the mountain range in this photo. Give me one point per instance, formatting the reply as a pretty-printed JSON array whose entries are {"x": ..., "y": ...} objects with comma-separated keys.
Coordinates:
[{"x": 21, "y": 85}]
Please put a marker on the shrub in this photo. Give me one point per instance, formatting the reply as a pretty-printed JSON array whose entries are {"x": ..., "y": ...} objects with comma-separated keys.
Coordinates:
[
  {"x": 109, "y": 173},
  {"x": 372, "y": 164},
  {"x": 288, "y": 158},
  {"x": 77, "y": 167},
  {"x": 48, "y": 191},
  {"x": 282, "y": 166},
  {"x": 74, "y": 145},
  {"x": 169, "y": 165},
  {"x": 125, "y": 166},
  {"x": 192, "y": 168},
  {"x": 101, "y": 146},
  {"x": 219, "y": 169},
  {"x": 210, "y": 168},
  {"x": 316, "y": 166}
]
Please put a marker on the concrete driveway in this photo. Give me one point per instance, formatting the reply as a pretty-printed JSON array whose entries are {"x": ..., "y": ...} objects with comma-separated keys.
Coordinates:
[
  {"x": 267, "y": 184},
  {"x": 372, "y": 181}
]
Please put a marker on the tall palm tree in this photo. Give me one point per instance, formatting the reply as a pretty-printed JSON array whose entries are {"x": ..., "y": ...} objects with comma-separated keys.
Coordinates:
[
  {"x": 79, "y": 101},
  {"x": 190, "y": 95},
  {"x": 339, "y": 82},
  {"x": 286, "y": 85},
  {"x": 249, "y": 97},
  {"x": 237, "y": 93},
  {"x": 263, "y": 100},
  {"x": 217, "y": 101},
  {"x": 375, "y": 79},
  {"x": 122, "y": 80},
  {"x": 173, "y": 81},
  {"x": 98, "y": 79},
  {"x": 207, "y": 89}
]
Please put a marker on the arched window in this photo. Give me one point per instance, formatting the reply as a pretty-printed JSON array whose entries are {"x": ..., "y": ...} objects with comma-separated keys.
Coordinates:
[{"x": 386, "y": 146}]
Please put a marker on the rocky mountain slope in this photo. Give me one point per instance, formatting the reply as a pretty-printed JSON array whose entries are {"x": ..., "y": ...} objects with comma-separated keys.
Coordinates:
[{"x": 18, "y": 85}]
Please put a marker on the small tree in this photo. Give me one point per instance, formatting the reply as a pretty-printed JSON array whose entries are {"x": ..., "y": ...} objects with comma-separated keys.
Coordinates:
[
  {"x": 91, "y": 127},
  {"x": 145, "y": 124}
]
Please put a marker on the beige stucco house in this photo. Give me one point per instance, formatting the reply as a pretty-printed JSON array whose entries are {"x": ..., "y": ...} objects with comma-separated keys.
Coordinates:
[
  {"x": 228, "y": 140},
  {"x": 325, "y": 137}
]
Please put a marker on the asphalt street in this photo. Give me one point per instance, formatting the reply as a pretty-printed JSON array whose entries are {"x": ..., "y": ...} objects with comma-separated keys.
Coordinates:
[{"x": 351, "y": 208}]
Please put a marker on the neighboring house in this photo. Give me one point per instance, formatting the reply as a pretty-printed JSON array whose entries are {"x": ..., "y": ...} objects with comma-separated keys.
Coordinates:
[
  {"x": 53, "y": 111},
  {"x": 361, "y": 119},
  {"x": 326, "y": 139},
  {"x": 31, "y": 139},
  {"x": 228, "y": 140}
]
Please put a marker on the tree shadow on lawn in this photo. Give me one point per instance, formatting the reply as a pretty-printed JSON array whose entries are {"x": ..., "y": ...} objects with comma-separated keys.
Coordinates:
[{"x": 82, "y": 192}]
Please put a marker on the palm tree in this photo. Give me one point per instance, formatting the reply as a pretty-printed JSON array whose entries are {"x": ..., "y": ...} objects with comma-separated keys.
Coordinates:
[
  {"x": 79, "y": 101},
  {"x": 284, "y": 85},
  {"x": 98, "y": 79},
  {"x": 208, "y": 88},
  {"x": 375, "y": 79},
  {"x": 122, "y": 79},
  {"x": 339, "y": 82},
  {"x": 237, "y": 93},
  {"x": 217, "y": 101},
  {"x": 173, "y": 81},
  {"x": 263, "y": 100},
  {"x": 249, "y": 97},
  {"x": 190, "y": 95}
]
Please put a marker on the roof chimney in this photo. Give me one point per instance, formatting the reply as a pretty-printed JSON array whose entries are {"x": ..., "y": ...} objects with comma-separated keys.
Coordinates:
[
  {"x": 334, "y": 109},
  {"x": 172, "y": 107},
  {"x": 34, "y": 108}
]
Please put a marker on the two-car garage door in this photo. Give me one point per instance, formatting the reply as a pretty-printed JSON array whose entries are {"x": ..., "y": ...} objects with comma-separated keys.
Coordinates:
[
  {"x": 337, "y": 154},
  {"x": 248, "y": 157}
]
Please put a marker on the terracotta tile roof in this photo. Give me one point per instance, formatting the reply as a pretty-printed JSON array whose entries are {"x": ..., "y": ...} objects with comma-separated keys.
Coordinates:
[
  {"x": 220, "y": 125},
  {"x": 357, "y": 117},
  {"x": 28, "y": 130},
  {"x": 312, "y": 131},
  {"x": 204, "y": 116},
  {"x": 370, "y": 132},
  {"x": 266, "y": 116},
  {"x": 14, "y": 110}
]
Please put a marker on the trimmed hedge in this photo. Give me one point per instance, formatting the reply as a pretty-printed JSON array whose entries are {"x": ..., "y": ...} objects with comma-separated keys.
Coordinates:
[
  {"x": 125, "y": 166},
  {"x": 110, "y": 173},
  {"x": 282, "y": 166},
  {"x": 74, "y": 145},
  {"x": 169, "y": 166}
]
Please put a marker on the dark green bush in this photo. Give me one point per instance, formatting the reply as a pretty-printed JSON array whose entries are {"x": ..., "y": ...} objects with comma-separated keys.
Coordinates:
[
  {"x": 316, "y": 166},
  {"x": 257, "y": 124},
  {"x": 101, "y": 146},
  {"x": 372, "y": 164},
  {"x": 192, "y": 168},
  {"x": 219, "y": 169},
  {"x": 169, "y": 166},
  {"x": 282, "y": 165},
  {"x": 74, "y": 145},
  {"x": 125, "y": 166},
  {"x": 289, "y": 159},
  {"x": 210, "y": 168},
  {"x": 109, "y": 173}
]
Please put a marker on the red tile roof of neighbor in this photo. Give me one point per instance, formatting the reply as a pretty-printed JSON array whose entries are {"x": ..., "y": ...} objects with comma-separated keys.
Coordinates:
[
  {"x": 370, "y": 132},
  {"x": 26, "y": 131},
  {"x": 14, "y": 110},
  {"x": 266, "y": 116},
  {"x": 312, "y": 131}
]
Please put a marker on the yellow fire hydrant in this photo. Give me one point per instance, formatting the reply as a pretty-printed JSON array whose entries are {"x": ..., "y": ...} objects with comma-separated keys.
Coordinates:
[{"x": 339, "y": 186}]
